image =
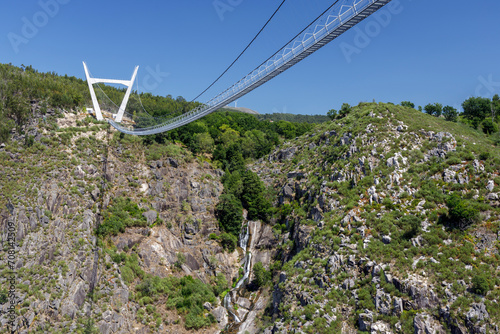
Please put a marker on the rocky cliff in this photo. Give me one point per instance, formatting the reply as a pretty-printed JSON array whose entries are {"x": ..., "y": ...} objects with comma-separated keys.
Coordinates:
[
  {"x": 370, "y": 239},
  {"x": 56, "y": 191},
  {"x": 386, "y": 221}
]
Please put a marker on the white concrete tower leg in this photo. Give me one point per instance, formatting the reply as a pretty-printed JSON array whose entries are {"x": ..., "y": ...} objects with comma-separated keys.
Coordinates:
[
  {"x": 90, "y": 82},
  {"x": 121, "y": 111}
]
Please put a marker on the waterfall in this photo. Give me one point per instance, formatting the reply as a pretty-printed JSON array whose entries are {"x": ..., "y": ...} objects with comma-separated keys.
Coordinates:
[
  {"x": 246, "y": 270},
  {"x": 244, "y": 236},
  {"x": 228, "y": 298},
  {"x": 229, "y": 307}
]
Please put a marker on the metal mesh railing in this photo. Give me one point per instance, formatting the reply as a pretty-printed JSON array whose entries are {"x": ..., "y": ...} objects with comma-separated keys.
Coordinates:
[{"x": 341, "y": 17}]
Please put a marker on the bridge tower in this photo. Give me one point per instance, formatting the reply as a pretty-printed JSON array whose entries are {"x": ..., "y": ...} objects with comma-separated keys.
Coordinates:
[{"x": 97, "y": 108}]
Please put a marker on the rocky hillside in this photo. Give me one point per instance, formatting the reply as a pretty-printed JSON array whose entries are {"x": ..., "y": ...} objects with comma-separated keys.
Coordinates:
[
  {"x": 388, "y": 223},
  {"x": 110, "y": 238},
  {"x": 384, "y": 221}
]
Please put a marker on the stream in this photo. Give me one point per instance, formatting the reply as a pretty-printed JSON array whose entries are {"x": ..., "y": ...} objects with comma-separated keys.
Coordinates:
[{"x": 233, "y": 296}]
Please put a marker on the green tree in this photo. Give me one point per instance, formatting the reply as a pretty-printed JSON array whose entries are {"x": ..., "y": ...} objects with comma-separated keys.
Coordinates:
[
  {"x": 233, "y": 183},
  {"x": 253, "y": 196},
  {"x": 476, "y": 108},
  {"x": 407, "y": 104},
  {"x": 480, "y": 284},
  {"x": 434, "y": 109},
  {"x": 228, "y": 135},
  {"x": 6, "y": 125},
  {"x": 450, "y": 113},
  {"x": 230, "y": 214},
  {"x": 332, "y": 113},
  {"x": 17, "y": 109},
  {"x": 203, "y": 142},
  {"x": 261, "y": 276},
  {"x": 344, "y": 110},
  {"x": 234, "y": 158},
  {"x": 461, "y": 212},
  {"x": 255, "y": 144},
  {"x": 228, "y": 241},
  {"x": 495, "y": 101},
  {"x": 286, "y": 129},
  {"x": 489, "y": 127}
]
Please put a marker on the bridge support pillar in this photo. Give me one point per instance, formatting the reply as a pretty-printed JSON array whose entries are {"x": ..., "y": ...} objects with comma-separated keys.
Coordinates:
[{"x": 127, "y": 83}]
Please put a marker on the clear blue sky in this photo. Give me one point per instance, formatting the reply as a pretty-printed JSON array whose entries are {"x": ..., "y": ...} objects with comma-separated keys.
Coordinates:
[{"x": 430, "y": 51}]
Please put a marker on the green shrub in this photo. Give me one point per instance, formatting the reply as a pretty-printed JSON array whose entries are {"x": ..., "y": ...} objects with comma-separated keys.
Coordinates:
[
  {"x": 480, "y": 284},
  {"x": 230, "y": 214},
  {"x": 188, "y": 295},
  {"x": 221, "y": 284},
  {"x": 462, "y": 213},
  {"x": 121, "y": 214},
  {"x": 228, "y": 241},
  {"x": 411, "y": 225},
  {"x": 131, "y": 269},
  {"x": 484, "y": 155},
  {"x": 489, "y": 126},
  {"x": 3, "y": 297},
  {"x": 261, "y": 276},
  {"x": 127, "y": 274}
]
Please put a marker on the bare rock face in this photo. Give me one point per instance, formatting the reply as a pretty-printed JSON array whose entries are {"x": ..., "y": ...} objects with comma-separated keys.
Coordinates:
[
  {"x": 476, "y": 316},
  {"x": 365, "y": 321},
  {"x": 335, "y": 262},
  {"x": 250, "y": 325},
  {"x": 381, "y": 327},
  {"x": 150, "y": 216},
  {"x": 425, "y": 324},
  {"x": 220, "y": 314},
  {"x": 283, "y": 155},
  {"x": 302, "y": 236},
  {"x": 383, "y": 302},
  {"x": 128, "y": 240}
]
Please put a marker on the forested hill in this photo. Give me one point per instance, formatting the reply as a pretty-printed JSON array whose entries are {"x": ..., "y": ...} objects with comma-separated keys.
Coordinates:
[
  {"x": 22, "y": 86},
  {"x": 275, "y": 117}
]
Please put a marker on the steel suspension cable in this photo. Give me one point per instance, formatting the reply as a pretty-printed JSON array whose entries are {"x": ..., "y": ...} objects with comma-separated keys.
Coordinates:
[
  {"x": 310, "y": 24},
  {"x": 242, "y": 52}
]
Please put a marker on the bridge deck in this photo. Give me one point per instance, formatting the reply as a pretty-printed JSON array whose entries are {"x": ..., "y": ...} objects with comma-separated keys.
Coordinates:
[{"x": 327, "y": 28}]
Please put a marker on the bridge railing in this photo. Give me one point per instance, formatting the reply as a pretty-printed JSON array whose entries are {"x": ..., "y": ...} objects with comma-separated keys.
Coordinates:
[{"x": 322, "y": 31}]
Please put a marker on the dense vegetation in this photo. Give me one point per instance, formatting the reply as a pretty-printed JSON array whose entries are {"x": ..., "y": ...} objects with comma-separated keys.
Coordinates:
[
  {"x": 21, "y": 86},
  {"x": 120, "y": 214},
  {"x": 312, "y": 119},
  {"x": 228, "y": 140},
  {"x": 424, "y": 223}
]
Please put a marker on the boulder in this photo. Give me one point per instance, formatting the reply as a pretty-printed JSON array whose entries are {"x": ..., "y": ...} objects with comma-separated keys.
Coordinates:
[
  {"x": 397, "y": 305},
  {"x": 95, "y": 194},
  {"x": 423, "y": 323},
  {"x": 477, "y": 312},
  {"x": 365, "y": 321},
  {"x": 449, "y": 176},
  {"x": 335, "y": 262},
  {"x": 383, "y": 302},
  {"x": 172, "y": 162},
  {"x": 220, "y": 314},
  {"x": 380, "y": 327},
  {"x": 288, "y": 192},
  {"x": 150, "y": 216}
]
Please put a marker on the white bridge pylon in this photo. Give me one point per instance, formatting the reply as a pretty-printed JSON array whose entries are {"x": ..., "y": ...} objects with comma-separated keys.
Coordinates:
[{"x": 97, "y": 108}]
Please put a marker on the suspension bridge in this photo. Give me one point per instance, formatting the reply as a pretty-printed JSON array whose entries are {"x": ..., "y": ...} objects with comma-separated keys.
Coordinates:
[{"x": 335, "y": 21}]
